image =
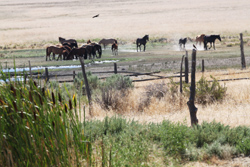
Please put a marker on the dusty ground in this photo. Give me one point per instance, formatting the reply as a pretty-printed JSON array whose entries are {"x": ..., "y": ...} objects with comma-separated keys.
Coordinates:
[{"x": 25, "y": 21}]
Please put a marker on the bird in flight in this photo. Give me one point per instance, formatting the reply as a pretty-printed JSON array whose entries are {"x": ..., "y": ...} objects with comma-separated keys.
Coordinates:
[
  {"x": 194, "y": 47},
  {"x": 96, "y": 16}
]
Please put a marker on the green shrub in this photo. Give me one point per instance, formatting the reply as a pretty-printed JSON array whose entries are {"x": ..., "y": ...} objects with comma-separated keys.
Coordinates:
[
  {"x": 118, "y": 82},
  {"x": 207, "y": 92},
  {"x": 113, "y": 92},
  {"x": 93, "y": 81}
]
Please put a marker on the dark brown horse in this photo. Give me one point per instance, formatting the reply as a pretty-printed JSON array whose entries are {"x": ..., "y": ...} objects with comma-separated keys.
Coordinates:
[
  {"x": 199, "y": 39},
  {"x": 114, "y": 48},
  {"x": 98, "y": 49},
  {"x": 77, "y": 52},
  {"x": 90, "y": 50},
  {"x": 142, "y": 41},
  {"x": 106, "y": 42},
  {"x": 71, "y": 41},
  {"x": 60, "y": 50}
]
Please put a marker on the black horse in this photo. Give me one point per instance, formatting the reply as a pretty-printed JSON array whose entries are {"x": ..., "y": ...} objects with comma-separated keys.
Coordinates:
[
  {"x": 211, "y": 39},
  {"x": 142, "y": 41},
  {"x": 182, "y": 42}
]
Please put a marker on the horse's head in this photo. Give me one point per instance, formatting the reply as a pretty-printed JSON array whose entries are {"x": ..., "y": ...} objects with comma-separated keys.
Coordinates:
[
  {"x": 89, "y": 42},
  {"x": 219, "y": 37},
  {"x": 101, "y": 41},
  {"x": 61, "y": 39},
  {"x": 146, "y": 37}
]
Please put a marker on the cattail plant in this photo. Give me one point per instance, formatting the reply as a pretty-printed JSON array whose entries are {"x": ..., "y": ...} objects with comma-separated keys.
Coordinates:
[{"x": 32, "y": 134}]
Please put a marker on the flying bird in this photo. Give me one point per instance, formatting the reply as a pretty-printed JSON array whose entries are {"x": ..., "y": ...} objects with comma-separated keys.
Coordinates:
[
  {"x": 194, "y": 46},
  {"x": 96, "y": 16}
]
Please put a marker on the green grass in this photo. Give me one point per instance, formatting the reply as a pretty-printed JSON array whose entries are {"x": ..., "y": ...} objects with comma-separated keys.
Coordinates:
[{"x": 43, "y": 126}]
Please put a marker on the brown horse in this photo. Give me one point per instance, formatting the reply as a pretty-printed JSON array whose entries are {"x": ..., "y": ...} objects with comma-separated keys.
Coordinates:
[
  {"x": 98, "y": 48},
  {"x": 77, "y": 52},
  {"x": 71, "y": 41},
  {"x": 60, "y": 50},
  {"x": 106, "y": 42},
  {"x": 114, "y": 48},
  {"x": 200, "y": 39},
  {"x": 90, "y": 50}
]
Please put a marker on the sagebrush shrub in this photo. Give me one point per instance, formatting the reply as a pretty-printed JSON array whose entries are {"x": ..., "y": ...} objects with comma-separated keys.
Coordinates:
[
  {"x": 114, "y": 92},
  {"x": 207, "y": 92}
]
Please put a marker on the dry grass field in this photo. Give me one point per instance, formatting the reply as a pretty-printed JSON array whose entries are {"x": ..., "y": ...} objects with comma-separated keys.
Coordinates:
[{"x": 25, "y": 21}]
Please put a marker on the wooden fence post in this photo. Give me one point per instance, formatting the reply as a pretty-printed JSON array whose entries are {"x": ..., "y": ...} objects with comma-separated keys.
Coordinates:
[
  {"x": 115, "y": 68},
  {"x": 190, "y": 103},
  {"x": 186, "y": 67},
  {"x": 243, "y": 61},
  {"x": 86, "y": 85},
  {"x": 181, "y": 74},
  {"x": 202, "y": 67},
  {"x": 46, "y": 75}
]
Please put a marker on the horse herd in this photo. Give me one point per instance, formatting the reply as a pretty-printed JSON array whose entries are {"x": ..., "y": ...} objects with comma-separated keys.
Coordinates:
[
  {"x": 201, "y": 39},
  {"x": 68, "y": 49}
]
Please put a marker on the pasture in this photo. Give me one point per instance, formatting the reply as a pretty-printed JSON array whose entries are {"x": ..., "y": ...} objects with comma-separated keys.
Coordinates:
[{"x": 30, "y": 27}]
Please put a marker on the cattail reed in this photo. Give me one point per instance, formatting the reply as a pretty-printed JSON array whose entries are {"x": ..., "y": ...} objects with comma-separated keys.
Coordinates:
[
  {"x": 53, "y": 98},
  {"x": 30, "y": 96},
  {"x": 35, "y": 84},
  {"x": 43, "y": 91},
  {"x": 22, "y": 114},
  {"x": 40, "y": 98},
  {"x": 15, "y": 106},
  {"x": 74, "y": 100},
  {"x": 60, "y": 97},
  {"x": 70, "y": 105},
  {"x": 34, "y": 114},
  {"x": 66, "y": 108},
  {"x": 13, "y": 90}
]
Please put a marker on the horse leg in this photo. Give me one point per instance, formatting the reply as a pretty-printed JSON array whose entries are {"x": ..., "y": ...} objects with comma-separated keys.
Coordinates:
[
  {"x": 144, "y": 47},
  {"x": 214, "y": 45},
  {"x": 54, "y": 56},
  {"x": 205, "y": 45}
]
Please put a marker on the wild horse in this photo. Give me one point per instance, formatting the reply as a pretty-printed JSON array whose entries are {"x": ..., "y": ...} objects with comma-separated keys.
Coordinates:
[
  {"x": 141, "y": 41},
  {"x": 106, "y": 42},
  {"x": 199, "y": 39},
  {"x": 60, "y": 50},
  {"x": 71, "y": 41},
  {"x": 182, "y": 42},
  {"x": 114, "y": 48},
  {"x": 211, "y": 39},
  {"x": 77, "y": 52}
]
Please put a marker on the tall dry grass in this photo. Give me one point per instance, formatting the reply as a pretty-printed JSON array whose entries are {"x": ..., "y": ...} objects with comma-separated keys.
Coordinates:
[{"x": 233, "y": 110}]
